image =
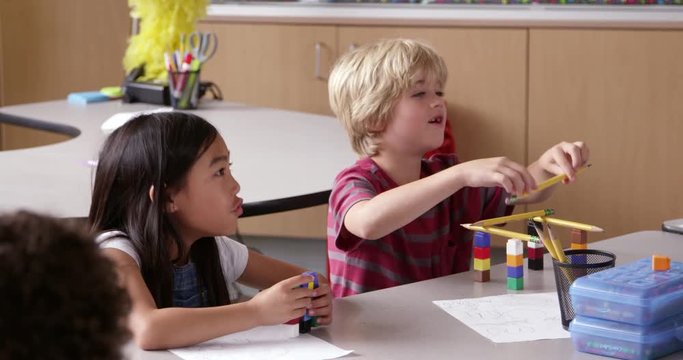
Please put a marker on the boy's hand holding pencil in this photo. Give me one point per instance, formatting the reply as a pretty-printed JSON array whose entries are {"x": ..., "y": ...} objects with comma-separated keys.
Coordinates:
[{"x": 565, "y": 160}]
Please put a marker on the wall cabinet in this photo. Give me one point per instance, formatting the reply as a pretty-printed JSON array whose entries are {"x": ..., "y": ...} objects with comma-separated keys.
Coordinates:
[
  {"x": 274, "y": 65},
  {"x": 279, "y": 66},
  {"x": 511, "y": 91},
  {"x": 51, "y": 48},
  {"x": 621, "y": 92}
]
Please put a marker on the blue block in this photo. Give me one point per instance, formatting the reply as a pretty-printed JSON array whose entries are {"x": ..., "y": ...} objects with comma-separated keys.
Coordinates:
[
  {"x": 516, "y": 271},
  {"x": 579, "y": 259},
  {"x": 482, "y": 239},
  {"x": 83, "y": 98}
]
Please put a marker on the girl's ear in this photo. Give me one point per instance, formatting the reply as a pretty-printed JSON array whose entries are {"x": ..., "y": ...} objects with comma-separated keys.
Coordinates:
[{"x": 170, "y": 204}]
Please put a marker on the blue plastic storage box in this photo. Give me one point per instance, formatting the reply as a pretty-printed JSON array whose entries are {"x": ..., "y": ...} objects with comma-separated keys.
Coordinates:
[
  {"x": 631, "y": 293},
  {"x": 627, "y": 341}
]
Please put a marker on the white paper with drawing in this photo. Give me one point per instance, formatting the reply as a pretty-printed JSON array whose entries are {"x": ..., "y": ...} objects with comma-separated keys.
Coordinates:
[
  {"x": 511, "y": 317},
  {"x": 263, "y": 342}
]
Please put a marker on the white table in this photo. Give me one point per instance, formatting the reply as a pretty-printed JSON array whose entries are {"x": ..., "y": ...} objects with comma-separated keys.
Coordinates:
[
  {"x": 283, "y": 160},
  {"x": 403, "y": 323}
]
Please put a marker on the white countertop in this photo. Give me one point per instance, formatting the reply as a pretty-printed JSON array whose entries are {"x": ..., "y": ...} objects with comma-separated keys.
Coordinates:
[{"x": 534, "y": 15}]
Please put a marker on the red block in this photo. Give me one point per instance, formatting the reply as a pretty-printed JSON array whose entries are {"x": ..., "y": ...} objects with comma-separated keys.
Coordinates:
[
  {"x": 482, "y": 252},
  {"x": 535, "y": 253}
]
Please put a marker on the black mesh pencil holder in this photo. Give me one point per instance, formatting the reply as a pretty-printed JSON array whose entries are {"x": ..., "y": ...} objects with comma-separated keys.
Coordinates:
[{"x": 581, "y": 262}]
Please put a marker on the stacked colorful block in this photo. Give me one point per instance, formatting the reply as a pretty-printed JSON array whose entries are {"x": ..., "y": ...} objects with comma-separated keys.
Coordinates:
[
  {"x": 535, "y": 250},
  {"x": 482, "y": 256},
  {"x": 515, "y": 264},
  {"x": 579, "y": 239},
  {"x": 308, "y": 321}
]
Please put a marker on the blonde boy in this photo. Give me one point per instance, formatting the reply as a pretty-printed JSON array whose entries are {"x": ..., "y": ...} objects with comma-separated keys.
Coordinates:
[{"x": 394, "y": 217}]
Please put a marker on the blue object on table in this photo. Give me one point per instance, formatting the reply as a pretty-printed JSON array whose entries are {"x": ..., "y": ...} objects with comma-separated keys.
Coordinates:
[
  {"x": 627, "y": 341},
  {"x": 86, "y": 97},
  {"x": 629, "y": 311},
  {"x": 631, "y": 293}
]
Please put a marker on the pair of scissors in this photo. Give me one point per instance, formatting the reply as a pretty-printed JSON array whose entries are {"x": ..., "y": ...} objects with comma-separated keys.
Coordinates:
[{"x": 203, "y": 45}]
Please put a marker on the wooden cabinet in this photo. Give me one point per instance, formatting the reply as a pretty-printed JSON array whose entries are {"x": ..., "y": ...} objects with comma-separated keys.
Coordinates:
[
  {"x": 273, "y": 65},
  {"x": 621, "y": 92},
  {"x": 279, "y": 66},
  {"x": 16, "y": 137},
  {"x": 511, "y": 91},
  {"x": 51, "y": 48}
]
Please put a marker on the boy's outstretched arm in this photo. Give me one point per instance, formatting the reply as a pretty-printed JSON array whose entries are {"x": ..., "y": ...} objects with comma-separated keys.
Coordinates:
[
  {"x": 386, "y": 212},
  {"x": 563, "y": 158}
]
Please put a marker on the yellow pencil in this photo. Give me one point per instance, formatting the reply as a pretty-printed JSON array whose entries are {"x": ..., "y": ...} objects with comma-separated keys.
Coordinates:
[
  {"x": 501, "y": 232},
  {"x": 550, "y": 182},
  {"x": 559, "y": 255},
  {"x": 504, "y": 219},
  {"x": 569, "y": 224},
  {"x": 559, "y": 249},
  {"x": 548, "y": 245}
]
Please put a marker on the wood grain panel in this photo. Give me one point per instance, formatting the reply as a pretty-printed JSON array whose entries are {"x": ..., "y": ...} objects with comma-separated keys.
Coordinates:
[
  {"x": 20, "y": 137},
  {"x": 621, "y": 92},
  {"x": 274, "y": 66},
  {"x": 51, "y": 48},
  {"x": 309, "y": 223}
]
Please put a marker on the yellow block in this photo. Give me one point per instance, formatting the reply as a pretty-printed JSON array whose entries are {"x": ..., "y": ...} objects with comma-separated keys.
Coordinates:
[
  {"x": 515, "y": 260},
  {"x": 482, "y": 264},
  {"x": 576, "y": 246}
]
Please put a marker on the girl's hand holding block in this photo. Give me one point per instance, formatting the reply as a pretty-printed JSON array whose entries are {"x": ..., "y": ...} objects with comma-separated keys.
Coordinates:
[{"x": 283, "y": 301}]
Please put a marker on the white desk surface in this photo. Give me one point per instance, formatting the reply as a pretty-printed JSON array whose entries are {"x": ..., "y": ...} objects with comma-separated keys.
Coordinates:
[
  {"x": 403, "y": 323},
  {"x": 282, "y": 159}
]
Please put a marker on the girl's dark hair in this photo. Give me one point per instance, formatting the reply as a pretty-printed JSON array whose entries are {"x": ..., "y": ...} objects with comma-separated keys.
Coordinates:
[{"x": 157, "y": 150}]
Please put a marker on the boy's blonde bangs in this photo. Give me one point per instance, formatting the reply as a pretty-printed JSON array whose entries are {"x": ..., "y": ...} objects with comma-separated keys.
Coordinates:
[{"x": 366, "y": 83}]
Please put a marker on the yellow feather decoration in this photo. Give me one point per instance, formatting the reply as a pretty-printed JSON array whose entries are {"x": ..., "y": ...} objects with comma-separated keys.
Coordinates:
[{"x": 161, "y": 23}]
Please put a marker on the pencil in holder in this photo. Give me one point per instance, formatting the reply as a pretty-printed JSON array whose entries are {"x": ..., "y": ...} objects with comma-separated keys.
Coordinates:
[
  {"x": 184, "y": 89},
  {"x": 580, "y": 262}
]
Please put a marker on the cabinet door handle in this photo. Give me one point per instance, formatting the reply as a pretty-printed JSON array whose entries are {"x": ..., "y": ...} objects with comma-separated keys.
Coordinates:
[{"x": 318, "y": 50}]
